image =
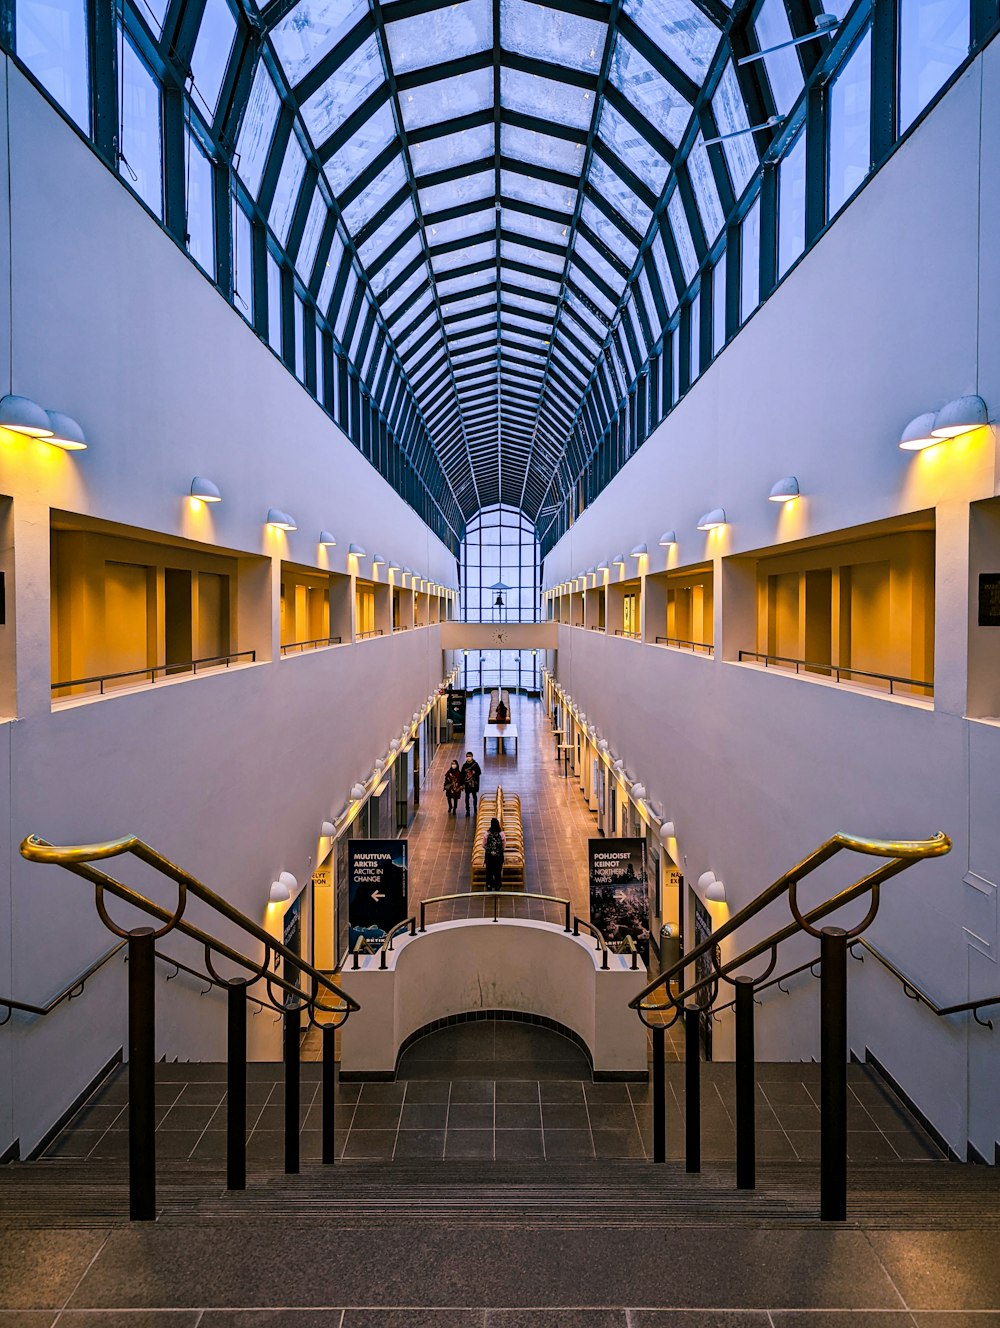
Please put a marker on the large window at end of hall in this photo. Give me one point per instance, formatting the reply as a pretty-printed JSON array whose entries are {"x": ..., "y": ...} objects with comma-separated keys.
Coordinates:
[{"x": 500, "y": 585}]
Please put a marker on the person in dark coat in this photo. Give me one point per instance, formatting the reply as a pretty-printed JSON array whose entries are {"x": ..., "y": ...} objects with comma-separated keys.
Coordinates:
[
  {"x": 494, "y": 843},
  {"x": 500, "y": 714},
  {"x": 472, "y": 772},
  {"x": 453, "y": 785}
]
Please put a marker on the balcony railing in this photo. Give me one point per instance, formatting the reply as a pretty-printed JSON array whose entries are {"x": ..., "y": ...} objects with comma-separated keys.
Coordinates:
[
  {"x": 365, "y": 636},
  {"x": 681, "y": 643},
  {"x": 317, "y": 643},
  {"x": 629, "y": 636},
  {"x": 838, "y": 672},
  {"x": 151, "y": 674}
]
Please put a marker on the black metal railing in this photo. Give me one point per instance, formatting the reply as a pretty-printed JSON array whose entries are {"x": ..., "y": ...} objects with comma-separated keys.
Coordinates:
[
  {"x": 835, "y": 671},
  {"x": 495, "y": 896},
  {"x": 282, "y": 993},
  {"x": 629, "y": 636},
  {"x": 384, "y": 947},
  {"x": 151, "y": 673},
  {"x": 365, "y": 636},
  {"x": 695, "y": 1002},
  {"x": 605, "y": 947},
  {"x": 916, "y": 993},
  {"x": 317, "y": 643},
  {"x": 595, "y": 627},
  {"x": 681, "y": 643}
]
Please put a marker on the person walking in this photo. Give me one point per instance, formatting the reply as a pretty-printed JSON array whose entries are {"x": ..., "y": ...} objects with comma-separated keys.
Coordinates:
[
  {"x": 472, "y": 772},
  {"x": 453, "y": 785},
  {"x": 494, "y": 844}
]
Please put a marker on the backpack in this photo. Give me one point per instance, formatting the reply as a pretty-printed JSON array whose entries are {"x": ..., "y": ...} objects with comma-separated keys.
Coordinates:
[{"x": 494, "y": 845}]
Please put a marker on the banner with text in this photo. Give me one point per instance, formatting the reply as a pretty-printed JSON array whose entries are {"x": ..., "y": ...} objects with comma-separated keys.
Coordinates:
[
  {"x": 619, "y": 894},
  {"x": 377, "y": 893}
]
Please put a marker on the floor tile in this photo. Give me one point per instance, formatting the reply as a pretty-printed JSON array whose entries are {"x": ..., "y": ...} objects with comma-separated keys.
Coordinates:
[
  {"x": 942, "y": 1270},
  {"x": 419, "y": 1143},
  {"x": 568, "y": 1144},
  {"x": 39, "y": 1269},
  {"x": 565, "y": 1116},
  {"x": 470, "y": 1116},
  {"x": 518, "y": 1145},
  {"x": 469, "y": 1143},
  {"x": 370, "y": 1143},
  {"x": 518, "y": 1116}
]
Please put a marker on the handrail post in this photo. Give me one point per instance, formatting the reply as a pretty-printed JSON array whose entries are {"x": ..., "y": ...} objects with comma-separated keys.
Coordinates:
[
  {"x": 659, "y": 1093},
  {"x": 423, "y": 926},
  {"x": 567, "y": 927},
  {"x": 746, "y": 1140},
  {"x": 833, "y": 1074},
  {"x": 329, "y": 1093},
  {"x": 291, "y": 1050},
  {"x": 692, "y": 1088},
  {"x": 236, "y": 1086},
  {"x": 141, "y": 1075}
]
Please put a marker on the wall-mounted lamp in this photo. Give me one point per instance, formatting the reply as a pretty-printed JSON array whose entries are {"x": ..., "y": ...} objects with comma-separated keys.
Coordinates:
[
  {"x": 638, "y": 791},
  {"x": 22, "y": 415},
  {"x": 712, "y": 887},
  {"x": 959, "y": 416},
  {"x": 327, "y": 830},
  {"x": 279, "y": 520},
  {"x": 67, "y": 433},
  {"x": 326, "y": 540},
  {"x": 204, "y": 490},
  {"x": 393, "y": 567},
  {"x": 917, "y": 435},
  {"x": 667, "y": 538},
  {"x": 639, "y": 551},
  {"x": 602, "y": 746},
  {"x": 377, "y": 560},
  {"x": 619, "y": 560},
  {"x": 713, "y": 520},
  {"x": 603, "y": 567},
  {"x": 358, "y": 791},
  {"x": 667, "y": 831},
  {"x": 394, "y": 745},
  {"x": 356, "y": 550},
  {"x": 783, "y": 491},
  {"x": 282, "y": 888}
]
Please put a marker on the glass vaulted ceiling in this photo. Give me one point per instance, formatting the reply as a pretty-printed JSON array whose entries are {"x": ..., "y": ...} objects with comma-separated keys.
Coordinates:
[{"x": 497, "y": 166}]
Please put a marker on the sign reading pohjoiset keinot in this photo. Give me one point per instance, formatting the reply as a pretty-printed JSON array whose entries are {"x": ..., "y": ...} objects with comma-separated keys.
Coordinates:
[
  {"x": 377, "y": 893},
  {"x": 619, "y": 893}
]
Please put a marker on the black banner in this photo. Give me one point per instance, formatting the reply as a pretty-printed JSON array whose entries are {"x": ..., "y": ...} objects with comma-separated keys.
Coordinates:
[
  {"x": 619, "y": 893},
  {"x": 456, "y": 710},
  {"x": 377, "y": 887}
]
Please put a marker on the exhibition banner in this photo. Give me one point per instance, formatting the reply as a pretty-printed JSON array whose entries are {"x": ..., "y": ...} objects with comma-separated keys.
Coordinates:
[
  {"x": 456, "y": 710},
  {"x": 377, "y": 893},
  {"x": 619, "y": 894}
]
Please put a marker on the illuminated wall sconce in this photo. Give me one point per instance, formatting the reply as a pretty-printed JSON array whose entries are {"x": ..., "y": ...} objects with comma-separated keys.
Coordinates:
[
  {"x": 377, "y": 560},
  {"x": 67, "y": 433},
  {"x": 667, "y": 831},
  {"x": 712, "y": 887},
  {"x": 917, "y": 435},
  {"x": 602, "y": 746},
  {"x": 408, "y": 571},
  {"x": 281, "y": 889},
  {"x": 638, "y": 791},
  {"x": 204, "y": 490},
  {"x": 603, "y": 567},
  {"x": 619, "y": 765},
  {"x": 279, "y": 520},
  {"x": 667, "y": 538},
  {"x": 327, "y": 830},
  {"x": 393, "y": 567},
  {"x": 619, "y": 560},
  {"x": 713, "y": 520},
  {"x": 960, "y": 416},
  {"x": 394, "y": 745},
  {"x": 356, "y": 551},
  {"x": 22, "y": 415},
  {"x": 358, "y": 792},
  {"x": 639, "y": 551},
  {"x": 784, "y": 490},
  {"x": 326, "y": 540}
]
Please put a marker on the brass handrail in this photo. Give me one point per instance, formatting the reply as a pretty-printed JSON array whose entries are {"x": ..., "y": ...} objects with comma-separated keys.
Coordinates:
[
  {"x": 494, "y": 894},
  {"x": 78, "y": 859},
  {"x": 901, "y": 854},
  {"x": 915, "y": 993}
]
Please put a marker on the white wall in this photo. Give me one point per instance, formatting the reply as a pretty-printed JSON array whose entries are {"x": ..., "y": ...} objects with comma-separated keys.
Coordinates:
[
  {"x": 229, "y": 774},
  {"x": 893, "y": 313}
]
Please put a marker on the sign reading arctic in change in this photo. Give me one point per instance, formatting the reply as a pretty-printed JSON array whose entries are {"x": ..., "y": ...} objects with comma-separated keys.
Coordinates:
[
  {"x": 376, "y": 875},
  {"x": 619, "y": 897}
]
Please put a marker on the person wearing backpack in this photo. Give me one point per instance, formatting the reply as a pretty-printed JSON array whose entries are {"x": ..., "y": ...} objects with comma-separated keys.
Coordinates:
[{"x": 493, "y": 850}]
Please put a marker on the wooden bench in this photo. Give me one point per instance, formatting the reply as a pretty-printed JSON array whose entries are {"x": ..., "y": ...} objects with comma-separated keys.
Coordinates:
[
  {"x": 506, "y": 807},
  {"x": 496, "y": 696}
]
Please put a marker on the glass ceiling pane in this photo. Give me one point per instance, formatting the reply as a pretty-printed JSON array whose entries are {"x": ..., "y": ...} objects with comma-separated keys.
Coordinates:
[
  {"x": 539, "y": 258},
  {"x": 543, "y": 193},
  {"x": 652, "y": 309},
  {"x": 612, "y": 187},
  {"x": 579, "y": 327},
  {"x": 784, "y": 73},
  {"x": 705, "y": 191},
  {"x": 466, "y": 189},
  {"x": 605, "y": 230},
  {"x": 391, "y": 228},
  {"x": 311, "y": 235},
  {"x": 389, "y": 271},
  {"x": 468, "y": 305},
  {"x": 345, "y": 304},
  {"x": 552, "y": 35},
  {"x": 731, "y": 118},
  {"x": 381, "y": 189},
  {"x": 344, "y": 91},
  {"x": 587, "y": 316},
  {"x": 257, "y": 129},
  {"x": 455, "y": 286},
  {"x": 664, "y": 273},
  {"x": 443, "y": 34},
  {"x": 212, "y": 50},
  {"x": 423, "y": 326},
  {"x": 526, "y": 281},
  {"x": 286, "y": 193},
  {"x": 630, "y": 146},
  {"x": 539, "y": 228},
  {"x": 461, "y": 227},
  {"x": 545, "y": 98},
  {"x": 358, "y": 333},
  {"x": 651, "y": 95},
  {"x": 452, "y": 150},
  {"x": 526, "y": 302},
  {"x": 585, "y": 250},
  {"x": 361, "y": 148},
  {"x": 447, "y": 99},
  {"x": 640, "y": 336},
  {"x": 416, "y": 312},
  {"x": 680, "y": 30},
  {"x": 682, "y": 236},
  {"x": 558, "y": 154},
  {"x": 475, "y": 253},
  {"x": 310, "y": 31},
  {"x": 590, "y": 292},
  {"x": 330, "y": 273}
]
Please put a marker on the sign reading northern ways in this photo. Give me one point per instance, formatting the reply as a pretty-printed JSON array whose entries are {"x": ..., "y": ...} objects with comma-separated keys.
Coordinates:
[
  {"x": 619, "y": 894},
  {"x": 377, "y": 894}
]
